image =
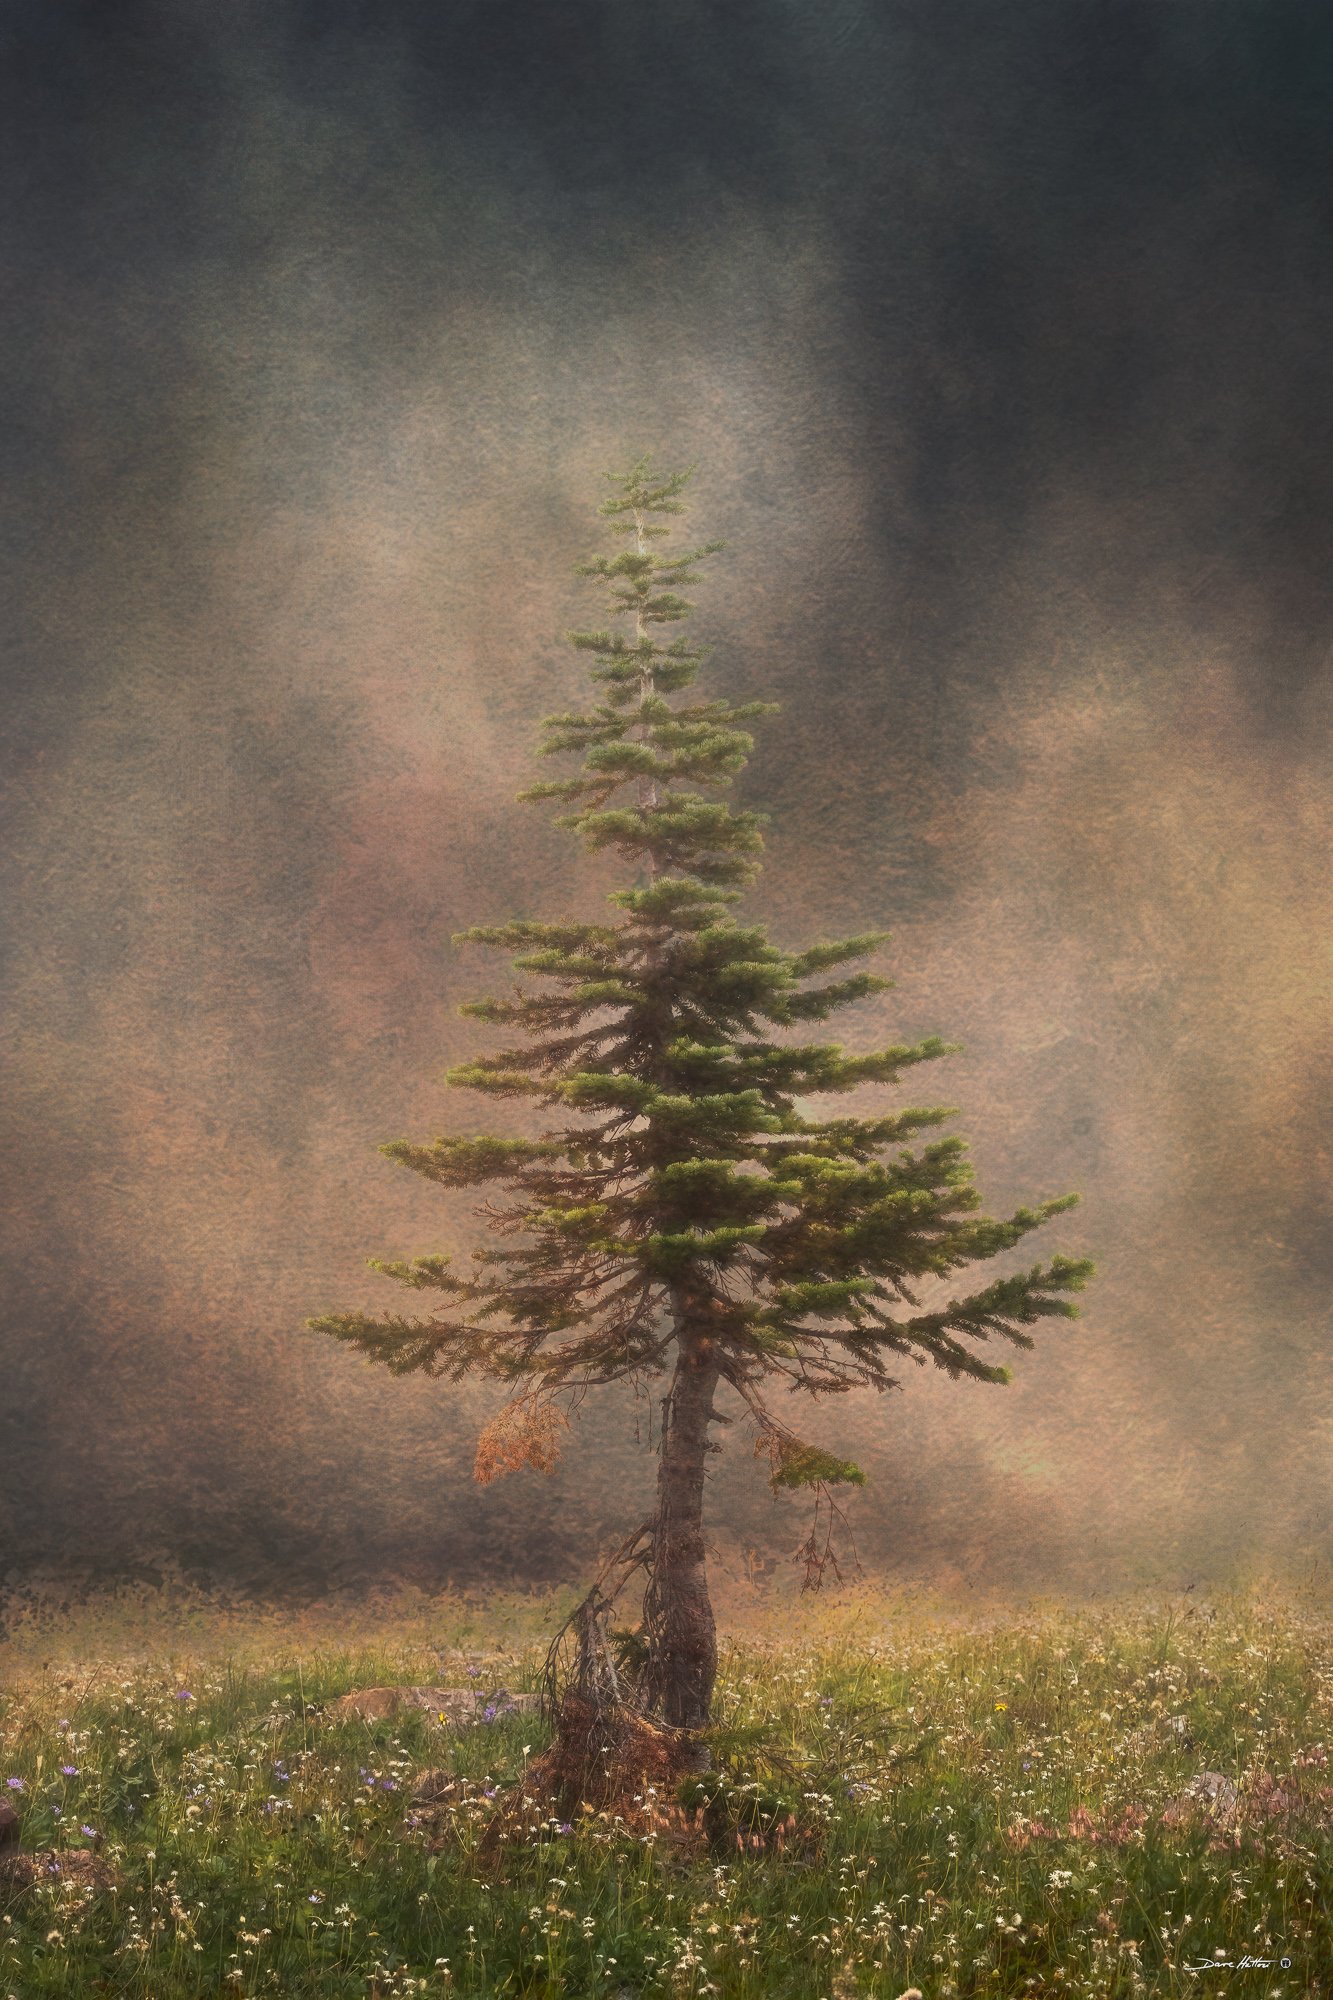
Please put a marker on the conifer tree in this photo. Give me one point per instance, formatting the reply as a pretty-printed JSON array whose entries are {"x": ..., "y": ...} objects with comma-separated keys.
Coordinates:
[{"x": 679, "y": 1216}]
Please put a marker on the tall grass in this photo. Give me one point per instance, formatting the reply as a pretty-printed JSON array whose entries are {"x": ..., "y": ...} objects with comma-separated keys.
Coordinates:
[{"x": 982, "y": 1803}]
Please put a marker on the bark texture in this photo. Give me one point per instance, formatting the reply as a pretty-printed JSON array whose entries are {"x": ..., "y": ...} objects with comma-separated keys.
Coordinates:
[{"x": 678, "y": 1611}]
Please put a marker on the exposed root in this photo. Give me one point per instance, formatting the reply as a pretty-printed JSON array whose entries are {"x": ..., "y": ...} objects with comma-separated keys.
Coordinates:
[
  {"x": 605, "y": 1761},
  {"x": 594, "y": 1672}
]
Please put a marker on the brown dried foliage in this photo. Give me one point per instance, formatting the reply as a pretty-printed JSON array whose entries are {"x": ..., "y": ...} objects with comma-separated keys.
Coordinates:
[{"x": 525, "y": 1432}]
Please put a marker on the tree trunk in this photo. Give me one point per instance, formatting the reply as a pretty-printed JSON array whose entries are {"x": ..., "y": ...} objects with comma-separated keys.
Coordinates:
[{"x": 678, "y": 1611}]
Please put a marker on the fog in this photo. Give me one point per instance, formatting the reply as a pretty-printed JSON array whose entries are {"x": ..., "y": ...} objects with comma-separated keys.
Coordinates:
[{"x": 1000, "y": 341}]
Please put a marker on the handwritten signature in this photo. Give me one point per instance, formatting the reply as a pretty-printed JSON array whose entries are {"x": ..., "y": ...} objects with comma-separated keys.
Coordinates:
[{"x": 1242, "y": 1964}]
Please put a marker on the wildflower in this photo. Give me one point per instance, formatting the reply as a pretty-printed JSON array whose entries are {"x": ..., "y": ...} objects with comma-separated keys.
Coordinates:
[
  {"x": 1000, "y": 1707},
  {"x": 69, "y": 1770},
  {"x": 183, "y": 1694},
  {"x": 91, "y": 1831},
  {"x": 315, "y": 1896}
]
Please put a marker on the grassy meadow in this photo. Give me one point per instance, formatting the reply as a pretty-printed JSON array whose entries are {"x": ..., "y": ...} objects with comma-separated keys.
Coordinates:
[{"x": 984, "y": 1805}]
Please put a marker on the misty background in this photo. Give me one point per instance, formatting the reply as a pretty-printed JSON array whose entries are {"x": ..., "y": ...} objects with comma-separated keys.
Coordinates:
[{"x": 1001, "y": 339}]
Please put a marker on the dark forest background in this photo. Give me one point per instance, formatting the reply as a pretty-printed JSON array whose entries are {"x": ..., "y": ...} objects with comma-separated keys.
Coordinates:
[{"x": 1001, "y": 338}]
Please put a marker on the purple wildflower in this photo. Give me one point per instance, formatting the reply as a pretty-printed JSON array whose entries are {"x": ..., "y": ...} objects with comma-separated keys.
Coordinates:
[
  {"x": 70, "y": 1770},
  {"x": 16, "y": 1784},
  {"x": 91, "y": 1831},
  {"x": 183, "y": 1694}
]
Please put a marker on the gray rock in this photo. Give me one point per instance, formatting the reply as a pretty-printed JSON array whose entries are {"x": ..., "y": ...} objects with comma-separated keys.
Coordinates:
[
  {"x": 1210, "y": 1793},
  {"x": 504, "y": 1703},
  {"x": 450, "y": 1707},
  {"x": 1217, "y": 1790},
  {"x": 1169, "y": 1728},
  {"x": 456, "y": 1708}
]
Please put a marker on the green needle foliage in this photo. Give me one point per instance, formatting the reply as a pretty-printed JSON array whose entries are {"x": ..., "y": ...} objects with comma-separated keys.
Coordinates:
[{"x": 678, "y": 1207}]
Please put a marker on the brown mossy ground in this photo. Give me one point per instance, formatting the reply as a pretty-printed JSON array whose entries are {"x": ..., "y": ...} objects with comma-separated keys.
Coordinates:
[
  {"x": 20, "y": 1870},
  {"x": 603, "y": 1760}
]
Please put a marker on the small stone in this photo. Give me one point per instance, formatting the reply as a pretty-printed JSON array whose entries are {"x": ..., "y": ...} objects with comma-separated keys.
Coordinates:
[
  {"x": 1148, "y": 1735},
  {"x": 1211, "y": 1793},
  {"x": 1212, "y": 1786},
  {"x": 432, "y": 1786}
]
